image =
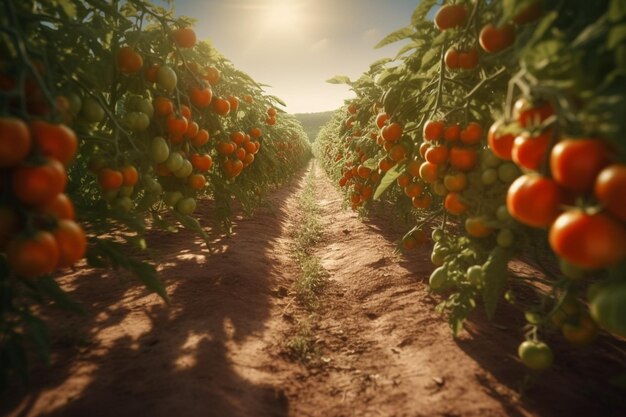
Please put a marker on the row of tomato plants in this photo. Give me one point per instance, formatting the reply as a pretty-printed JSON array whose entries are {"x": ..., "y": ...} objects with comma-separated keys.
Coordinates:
[
  {"x": 114, "y": 119},
  {"x": 499, "y": 128}
]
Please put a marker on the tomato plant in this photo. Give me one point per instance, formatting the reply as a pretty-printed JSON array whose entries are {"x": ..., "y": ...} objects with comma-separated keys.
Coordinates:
[
  {"x": 509, "y": 117},
  {"x": 120, "y": 123}
]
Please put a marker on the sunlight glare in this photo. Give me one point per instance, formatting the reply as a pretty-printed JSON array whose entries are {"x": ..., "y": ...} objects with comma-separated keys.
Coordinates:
[{"x": 282, "y": 17}]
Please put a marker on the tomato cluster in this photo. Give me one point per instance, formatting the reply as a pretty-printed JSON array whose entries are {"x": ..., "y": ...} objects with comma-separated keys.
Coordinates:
[
  {"x": 548, "y": 174},
  {"x": 571, "y": 186},
  {"x": 164, "y": 122},
  {"x": 38, "y": 232}
]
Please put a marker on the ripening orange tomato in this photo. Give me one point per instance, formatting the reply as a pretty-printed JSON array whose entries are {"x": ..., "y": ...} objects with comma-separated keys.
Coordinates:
[
  {"x": 110, "y": 179},
  {"x": 450, "y": 16},
  {"x": 128, "y": 60},
  {"x": 535, "y": 200},
  {"x": 200, "y": 96},
  {"x": 589, "y": 241},
  {"x": 35, "y": 185},
  {"x": 184, "y": 37},
  {"x": 391, "y": 132},
  {"x": 15, "y": 141},
  {"x": 494, "y": 39},
  {"x": 575, "y": 163},
  {"x": 130, "y": 176},
  {"x": 221, "y": 106},
  {"x": 71, "y": 241},
  {"x": 433, "y": 130},
  {"x": 500, "y": 144},
  {"x": 55, "y": 141},
  {"x": 33, "y": 256},
  {"x": 609, "y": 190}
]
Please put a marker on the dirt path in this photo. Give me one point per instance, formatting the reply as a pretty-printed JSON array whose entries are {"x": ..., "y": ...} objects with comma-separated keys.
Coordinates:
[{"x": 220, "y": 348}]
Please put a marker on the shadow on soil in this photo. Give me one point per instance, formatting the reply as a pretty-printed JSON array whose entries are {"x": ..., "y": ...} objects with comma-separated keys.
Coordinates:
[
  {"x": 577, "y": 385},
  {"x": 176, "y": 361}
]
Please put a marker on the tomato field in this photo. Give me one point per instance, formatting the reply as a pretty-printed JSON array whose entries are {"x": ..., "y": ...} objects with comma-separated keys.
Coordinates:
[{"x": 164, "y": 218}]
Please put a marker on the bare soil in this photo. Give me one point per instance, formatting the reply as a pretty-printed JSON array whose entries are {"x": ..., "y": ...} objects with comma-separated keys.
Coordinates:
[{"x": 220, "y": 347}]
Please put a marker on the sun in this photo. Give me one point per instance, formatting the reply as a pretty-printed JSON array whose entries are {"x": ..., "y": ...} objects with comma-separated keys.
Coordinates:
[{"x": 282, "y": 17}]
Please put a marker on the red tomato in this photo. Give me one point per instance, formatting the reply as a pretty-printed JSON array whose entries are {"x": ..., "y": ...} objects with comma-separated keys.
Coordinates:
[
  {"x": 528, "y": 114},
  {"x": 71, "y": 242},
  {"x": 534, "y": 200},
  {"x": 588, "y": 240},
  {"x": 450, "y": 16},
  {"x": 36, "y": 185},
  {"x": 33, "y": 256},
  {"x": 495, "y": 39},
  {"x": 610, "y": 190},
  {"x": 15, "y": 141},
  {"x": 530, "y": 151},
  {"x": 500, "y": 144},
  {"x": 575, "y": 163}
]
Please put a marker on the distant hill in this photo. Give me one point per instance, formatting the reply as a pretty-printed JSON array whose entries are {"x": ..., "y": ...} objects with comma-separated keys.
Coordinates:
[{"x": 312, "y": 122}]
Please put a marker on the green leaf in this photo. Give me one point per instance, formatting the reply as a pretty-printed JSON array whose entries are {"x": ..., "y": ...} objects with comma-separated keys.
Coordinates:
[
  {"x": 370, "y": 163},
  {"x": 378, "y": 64},
  {"x": 51, "y": 289},
  {"x": 339, "y": 79},
  {"x": 277, "y": 100},
  {"x": 387, "y": 76},
  {"x": 495, "y": 277},
  {"x": 387, "y": 180},
  {"x": 617, "y": 10},
  {"x": 68, "y": 7},
  {"x": 408, "y": 47},
  {"x": 422, "y": 10},
  {"x": 148, "y": 275},
  {"x": 430, "y": 56},
  {"x": 398, "y": 35},
  {"x": 193, "y": 225},
  {"x": 542, "y": 28},
  {"x": 617, "y": 36},
  {"x": 591, "y": 32}
]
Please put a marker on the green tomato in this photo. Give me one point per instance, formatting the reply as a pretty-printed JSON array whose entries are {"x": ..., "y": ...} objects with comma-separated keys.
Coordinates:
[
  {"x": 76, "y": 103},
  {"x": 508, "y": 172},
  {"x": 489, "y": 160},
  {"x": 502, "y": 214},
  {"x": 145, "y": 106},
  {"x": 136, "y": 121},
  {"x": 110, "y": 195},
  {"x": 439, "y": 188},
  {"x": 126, "y": 190},
  {"x": 475, "y": 275},
  {"x": 166, "y": 78},
  {"x": 132, "y": 102},
  {"x": 185, "y": 170},
  {"x": 489, "y": 176},
  {"x": 505, "y": 238},
  {"x": 92, "y": 111},
  {"x": 152, "y": 185},
  {"x": 535, "y": 355},
  {"x": 186, "y": 206},
  {"x": 174, "y": 162},
  {"x": 172, "y": 197},
  {"x": 123, "y": 203},
  {"x": 438, "y": 235},
  {"x": 533, "y": 317},
  {"x": 159, "y": 150},
  {"x": 438, "y": 279},
  {"x": 437, "y": 258},
  {"x": 608, "y": 308}
]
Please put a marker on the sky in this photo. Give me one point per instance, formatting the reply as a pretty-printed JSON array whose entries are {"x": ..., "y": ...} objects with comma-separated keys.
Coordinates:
[{"x": 296, "y": 45}]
